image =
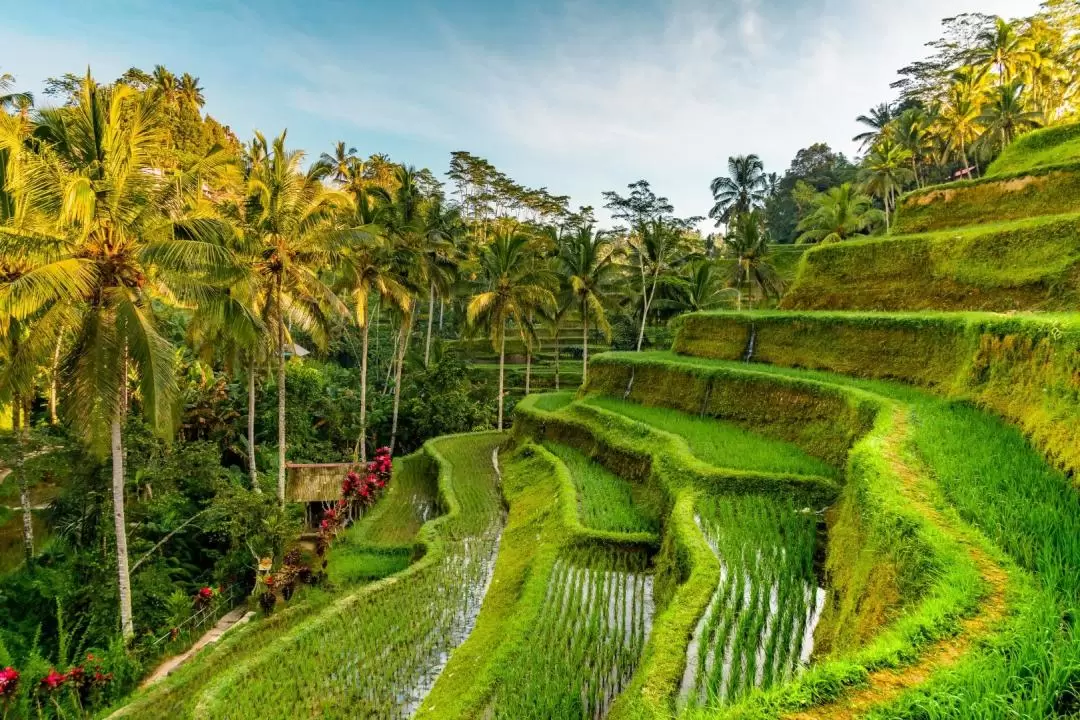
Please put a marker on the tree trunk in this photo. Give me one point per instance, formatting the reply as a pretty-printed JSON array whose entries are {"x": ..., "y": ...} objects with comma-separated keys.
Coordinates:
[
  {"x": 21, "y": 430},
  {"x": 403, "y": 344},
  {"x": 556, "y": 357},
  {"x": 585, "y": 345},
  {"x": 502, "y": 363},
  {"x": 363, "y": 390},
  {"x": 393, "y": 363},
  {"x": 252, "y": 469},
  {"x": 281, "y": 401},
  {"x": 528, "y": 368},
  {"x": 127, "y": 625},
  {"x": 430, "y": 320},
  {"x": 646, "y": 299},
  {"x": 887, "y": 196},
  {"x": 442, "y": 309},
  {"x": 54, "y": 381}
]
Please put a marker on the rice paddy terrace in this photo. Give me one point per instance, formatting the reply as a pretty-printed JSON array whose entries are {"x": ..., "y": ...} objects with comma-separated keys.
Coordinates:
[{"x": 851, "y": 507}]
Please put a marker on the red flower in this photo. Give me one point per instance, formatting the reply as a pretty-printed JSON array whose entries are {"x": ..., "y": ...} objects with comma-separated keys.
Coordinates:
[
  {"x": 53, "y": 680},
  {"x": 9, "y": 681},
  {"x": 205, "y": 593},
  {"x": 76, "y": 675}
]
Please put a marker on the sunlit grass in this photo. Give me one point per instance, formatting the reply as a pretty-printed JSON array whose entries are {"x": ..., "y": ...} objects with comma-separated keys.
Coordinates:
[{"x": 720, "y": 443}]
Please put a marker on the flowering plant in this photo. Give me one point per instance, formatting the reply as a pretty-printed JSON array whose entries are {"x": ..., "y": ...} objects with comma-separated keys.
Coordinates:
[
  {"x": 53, "y": 681},
  {"x": 9, "y": 682}
]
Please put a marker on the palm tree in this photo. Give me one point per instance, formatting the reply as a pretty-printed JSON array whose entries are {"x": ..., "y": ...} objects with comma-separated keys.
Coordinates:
[
  {"x": 190, "y": 91},
  {"x": 440, "y": 225},
  {"x": 653, "y": 250},
  {"x": 9, "y": 99},
  {"x": 369, "y": 269},
  {"x": 1007, "y": 115},
  {"x": 700, "y": 286},
  {"x": 958, "y": 123},
  {"x": 342, "y": 166},
  {"x": 1002, "y": 49},
  {"x": 885, "y": 173},
  {"x": 877, "y": 120},
  {"x": 115, "y": 234},
  {"x": 743, "y": 190},
  {"x": 837, "y": 215},
  {"x": 514, "y": 286},
  {"x": 286, "y": 219},
  {"x": 587, "y": 260},
  {"x": 912, "y": 131},
  {"x": 748, "y": 245},
  {"x": 164, "y": 82}
]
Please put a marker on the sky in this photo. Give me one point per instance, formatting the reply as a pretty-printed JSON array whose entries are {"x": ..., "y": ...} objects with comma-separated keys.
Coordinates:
[{"x": 578, "y": 96}]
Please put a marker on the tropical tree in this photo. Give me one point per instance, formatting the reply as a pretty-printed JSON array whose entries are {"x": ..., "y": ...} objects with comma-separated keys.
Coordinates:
[
  {"x": 440, "y": 226},
  {"x": 1007, "y": 115},
  {"x": 190, "y": 91},
  {"x": 513, "y": 286},
  {"x": 701, "y": 286},
  {"x": 885, "y": 173},
  {"x": 838, "y": 214},
  {"x": 9, "y": 98},
  {"x": 878, "y": 121},
  {"x": 654, "y": 250},
  {"x": 286, "y": 220},
  {"x": 1001, "y": 48},
  {"x": 113, "y": 235},
  {"x": 912, "y": 131},
  {"x": 958, "y": 123},
  {"x": 748, "y": 246},
  {"x": 587, "y": 261},
  {"x": 743, "y": 189}
]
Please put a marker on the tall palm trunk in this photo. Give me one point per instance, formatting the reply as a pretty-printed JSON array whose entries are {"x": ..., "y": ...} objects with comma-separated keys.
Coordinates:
[
  {"x": 585, "y": 344},
  {"x": 22, "y": 430},
  {"x": 252, "y": 470},
  {"x": 528, "y": 368},
  {"x": 430, "y": 320},
  {"x": 442, "y": 309},
  {"x": 127, "y": 625},
  {"x": 502, "y": 366},
  {"x": 403, "y": 345},
  {"x": 281, "y": 399},
  {"x": 363, "y": 389},
  {"x": 556, "y": 357},
  {"x": 54, "y": 381}
]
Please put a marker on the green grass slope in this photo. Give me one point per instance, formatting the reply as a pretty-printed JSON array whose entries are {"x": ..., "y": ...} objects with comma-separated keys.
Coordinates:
[
  {"x": 1047, "y": 147},
  {"x": 1031, "y": 264}
]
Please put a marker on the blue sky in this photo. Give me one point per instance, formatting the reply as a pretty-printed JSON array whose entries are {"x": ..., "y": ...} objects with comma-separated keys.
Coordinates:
[{"x": 579, "y": 96}]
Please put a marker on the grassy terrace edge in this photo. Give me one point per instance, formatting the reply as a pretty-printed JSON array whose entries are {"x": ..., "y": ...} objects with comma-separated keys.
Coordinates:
[
  {"x": 940, "y": 584},
  {"x": 1020, "y": 367},
  {"x": 1029, "y": 264}
]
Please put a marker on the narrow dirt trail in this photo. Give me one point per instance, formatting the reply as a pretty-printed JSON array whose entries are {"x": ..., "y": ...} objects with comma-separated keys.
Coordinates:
[
  {"x": 885, "y": 685},
  {"x": 233, "y": 618}
]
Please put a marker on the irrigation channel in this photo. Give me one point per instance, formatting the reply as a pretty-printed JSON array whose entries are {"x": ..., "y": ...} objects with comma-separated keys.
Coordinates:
[
  {"x": 758, "y": 629},
  {"x": 587, "y": 640}
]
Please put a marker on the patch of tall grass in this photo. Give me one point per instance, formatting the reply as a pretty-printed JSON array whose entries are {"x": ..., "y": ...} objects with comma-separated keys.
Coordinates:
[
  {"x": 605, "y": 500},
  {"x": 587, "y": 641},
  {"x": 758, "y": 629},
  {"x": 720, "y": 443}
]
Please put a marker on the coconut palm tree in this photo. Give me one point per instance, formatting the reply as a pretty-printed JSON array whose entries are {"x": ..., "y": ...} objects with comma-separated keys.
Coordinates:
[
  {"x": 748, "y": 246},
  {"x": 190, "y": 91},
  {"x": 877, "y": 120},
  {"x": 440, "y": 226},
  {"x": 287, "y": 221},
  {"x": 700, "y": 286},
  {"x": 587, "y": 261},
  {"x": 9, "y": 99},
  {"x": 838, "y": 214},
  {"x": 343, "y": 166},
  {"x": 513, "y": 286},
  {"x": 744, "y": 188},
  {"x": 1007, "y": 115},
  {"x": 912, "y": 132},
  {"x": 1001, "y": 48},
  {"x": 116, "y": 234},
  {"x": 885, "y": 173},
  {"x": 958, "y": 123}
]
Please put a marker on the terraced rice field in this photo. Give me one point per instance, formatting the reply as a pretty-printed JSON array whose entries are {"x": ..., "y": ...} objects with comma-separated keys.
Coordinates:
[
  {"x": 595, "y": 620},
  {"x": 605, "y": 501},
  {"x": 758, "y": 629}
]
